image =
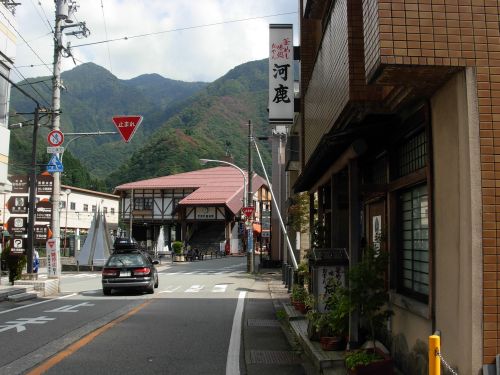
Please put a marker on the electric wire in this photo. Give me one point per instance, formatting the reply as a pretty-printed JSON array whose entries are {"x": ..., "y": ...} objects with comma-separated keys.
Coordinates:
[
  {"x": 106, "y": 35},
  {"x": 33, "y": 87},
  {"x": 182, "y": 29},
  {"x": 43, "y": 20},
  {"x": 29, "y": 45}
]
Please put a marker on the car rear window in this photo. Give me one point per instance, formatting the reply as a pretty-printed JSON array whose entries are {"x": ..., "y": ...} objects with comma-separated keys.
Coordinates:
[{"x": 129, "y": 260}]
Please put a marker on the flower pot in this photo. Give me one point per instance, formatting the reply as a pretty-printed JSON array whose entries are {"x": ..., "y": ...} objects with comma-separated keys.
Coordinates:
[
  {"x": 179, "y": 258},
  {"x": 384, "y": 366},
  {"x": 300, "y": 306},
  {"x": 332, "y": 343}
]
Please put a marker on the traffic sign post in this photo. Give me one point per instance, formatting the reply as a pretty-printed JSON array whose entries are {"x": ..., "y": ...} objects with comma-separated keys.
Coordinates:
[{"x": 127, "y": 125}]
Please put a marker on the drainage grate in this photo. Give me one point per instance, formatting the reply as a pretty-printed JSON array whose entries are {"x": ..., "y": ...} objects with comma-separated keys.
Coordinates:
[
  {"x": 274, "y": 357},
  {"x": 263, "y": 323}
]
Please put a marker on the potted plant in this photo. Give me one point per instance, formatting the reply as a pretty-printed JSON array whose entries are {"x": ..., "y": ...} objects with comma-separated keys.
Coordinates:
[
  {"x": 333, "y": 324},
  {"x": 299, "y": 295},
  {"x": 178, "y": 248},
  {"x": 369, "y": 295}
]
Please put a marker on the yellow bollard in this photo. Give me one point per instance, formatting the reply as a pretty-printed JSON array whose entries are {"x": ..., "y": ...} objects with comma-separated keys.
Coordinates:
[{"x": 434, "y": 348}]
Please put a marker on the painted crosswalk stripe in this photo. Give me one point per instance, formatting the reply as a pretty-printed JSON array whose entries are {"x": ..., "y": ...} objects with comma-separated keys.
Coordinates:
[
  {"x": 220, "y": 288},
  {"x": 170, "y": 289},
  {"x": 194, "y": 288}
]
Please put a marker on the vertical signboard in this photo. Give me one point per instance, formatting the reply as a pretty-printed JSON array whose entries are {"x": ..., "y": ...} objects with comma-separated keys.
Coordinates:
[
  {"x": 281, "y": 95},
  {"x": 52, "y": 258}
]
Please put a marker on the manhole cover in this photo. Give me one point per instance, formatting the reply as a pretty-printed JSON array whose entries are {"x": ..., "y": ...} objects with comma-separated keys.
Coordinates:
[
  {"x": 263, "y": 323},
  {"x": 273, "y": 357}
]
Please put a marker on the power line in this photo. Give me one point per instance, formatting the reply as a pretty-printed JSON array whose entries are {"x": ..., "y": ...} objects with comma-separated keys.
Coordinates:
[
  {"x": 183, "y": 29},
  {"x": 33, "y": 87},
  {"x": 46, "y": 19},
  {"x": 25, "y": 41},
  {"x": 106, "y": 35}
]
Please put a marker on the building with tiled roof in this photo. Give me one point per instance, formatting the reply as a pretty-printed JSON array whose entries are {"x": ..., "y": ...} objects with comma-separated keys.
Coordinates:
[{"x": 201, "y": 207}]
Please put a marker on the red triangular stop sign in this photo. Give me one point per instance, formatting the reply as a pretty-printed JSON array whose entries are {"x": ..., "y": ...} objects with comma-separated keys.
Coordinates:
[
  {"x": 248, "y": 211},
  {"x": 127, "y": 125}
]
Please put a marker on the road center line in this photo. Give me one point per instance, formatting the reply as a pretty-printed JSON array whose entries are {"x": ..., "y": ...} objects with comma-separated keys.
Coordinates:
[
  {"x": 233, "y": 354},
  {"x": 59, "y": 357}
]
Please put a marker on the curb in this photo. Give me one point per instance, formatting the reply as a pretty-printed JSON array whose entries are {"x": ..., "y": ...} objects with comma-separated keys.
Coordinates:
[{"x": 325, "y": 362}]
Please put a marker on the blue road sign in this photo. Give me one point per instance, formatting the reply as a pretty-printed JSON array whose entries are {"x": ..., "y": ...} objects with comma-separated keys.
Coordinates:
[{"x": 55, "y": 165}]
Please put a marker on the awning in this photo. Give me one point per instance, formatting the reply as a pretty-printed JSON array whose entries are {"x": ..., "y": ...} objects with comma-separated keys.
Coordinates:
[{"x": 257, "y": 228}]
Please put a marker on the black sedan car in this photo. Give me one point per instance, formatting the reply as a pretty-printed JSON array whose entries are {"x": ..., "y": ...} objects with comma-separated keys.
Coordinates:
[{"x": 129, "y": 270}]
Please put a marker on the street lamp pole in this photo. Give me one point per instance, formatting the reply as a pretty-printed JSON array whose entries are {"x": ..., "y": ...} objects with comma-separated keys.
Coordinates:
[
  {"x": 250, "y": 253},
  {"x": 245, "y": 201},
  {"x": 234, "y": 166}
]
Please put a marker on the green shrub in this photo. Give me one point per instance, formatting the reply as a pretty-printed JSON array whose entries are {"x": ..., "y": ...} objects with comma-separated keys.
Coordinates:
[
  {"x": 15, "y": 263},
  {"x": 177, "y": 247},
  {"x": 360, "y": 357}
]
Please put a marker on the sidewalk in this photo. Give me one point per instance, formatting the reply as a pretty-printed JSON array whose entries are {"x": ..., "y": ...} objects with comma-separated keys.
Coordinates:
[
  {"x": 267, "y": 348},
  {"x": 287, "y": 338}
]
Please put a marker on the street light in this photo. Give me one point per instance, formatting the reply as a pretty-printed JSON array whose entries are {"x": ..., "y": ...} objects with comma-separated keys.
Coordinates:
[
  {"x": 67, "y": 192},
  {"x": 249, "y": 253},
  {"x": 204, "y": 161}
]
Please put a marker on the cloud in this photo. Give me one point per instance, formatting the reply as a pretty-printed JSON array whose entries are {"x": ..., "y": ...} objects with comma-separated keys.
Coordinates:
[{"x": 184, "y": 40}]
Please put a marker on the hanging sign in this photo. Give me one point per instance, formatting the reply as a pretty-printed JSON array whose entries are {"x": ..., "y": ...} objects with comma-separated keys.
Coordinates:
[
  {"x": 41, "y": 233},
  {"x": 17, "y": 245},
  {"x": 281, "y": 80},
  {"x": 127, "y": 125},
  {"x": 19, "y": 184},
  {"x": 18, "y": 205},
  {"x": 17, "y": 225},
  {"x": 43, "y": 211},
  {"x": 44, "y": 184}
]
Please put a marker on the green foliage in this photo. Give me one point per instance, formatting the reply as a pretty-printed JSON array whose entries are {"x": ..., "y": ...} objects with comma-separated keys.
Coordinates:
[
  {"x": 299, "y": 293},
  {"x": 177, "y": 247},
  {"x": 183, "y": 121},
  {"x": 303, "y": 273},
  {"x": 298, "y": 213},
  {"x": 360, "y": 357},
  {"x": 368, "y": 291},
  {"x": 15, "y": 263},
  {"x": 280, "y": 314},
  {"x": 335, "y": 320}
]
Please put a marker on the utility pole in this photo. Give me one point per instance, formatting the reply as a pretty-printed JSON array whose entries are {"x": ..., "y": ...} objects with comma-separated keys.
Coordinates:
[
  {"x": 64, "y": 9},
  {"x": 250, "y": 255}
]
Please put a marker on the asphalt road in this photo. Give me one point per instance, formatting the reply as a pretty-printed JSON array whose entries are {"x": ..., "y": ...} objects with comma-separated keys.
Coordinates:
[{"x": 184, "y": 328}]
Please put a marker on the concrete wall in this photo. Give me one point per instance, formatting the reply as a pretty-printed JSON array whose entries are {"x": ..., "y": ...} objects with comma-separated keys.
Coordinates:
[{"x": 457, "y": 253}]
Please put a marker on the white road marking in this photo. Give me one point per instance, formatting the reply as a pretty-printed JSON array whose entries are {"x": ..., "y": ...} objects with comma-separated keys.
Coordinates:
[
  {"x": 70, "y": 308},
  {"x": 194, "y": 289},
  {"x": 220, "y": 288},
  {"x": 169, "y": 290},
  {"x": 233, "y": 355},
  {"x": 19, "y": 324},
  {"x": 37, "y": 303}
]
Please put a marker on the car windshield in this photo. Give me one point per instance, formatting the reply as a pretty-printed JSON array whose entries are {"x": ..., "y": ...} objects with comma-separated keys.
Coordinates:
[{"x": 129, "y": 260}]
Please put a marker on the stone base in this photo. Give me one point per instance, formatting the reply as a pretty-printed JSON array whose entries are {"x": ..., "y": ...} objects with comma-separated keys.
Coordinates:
[{"x": 43, "y": 287}]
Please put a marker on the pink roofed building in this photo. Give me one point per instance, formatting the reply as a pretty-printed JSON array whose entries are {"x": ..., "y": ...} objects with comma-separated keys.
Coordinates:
[{"x": 201, "y": 208}]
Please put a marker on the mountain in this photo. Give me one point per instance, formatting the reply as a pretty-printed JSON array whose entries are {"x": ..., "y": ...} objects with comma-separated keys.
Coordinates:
[{"x": 183, "y": 121}]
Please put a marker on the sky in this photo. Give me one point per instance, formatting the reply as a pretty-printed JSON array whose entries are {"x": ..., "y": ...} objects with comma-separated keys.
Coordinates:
[{"x": 189, "y": 40}]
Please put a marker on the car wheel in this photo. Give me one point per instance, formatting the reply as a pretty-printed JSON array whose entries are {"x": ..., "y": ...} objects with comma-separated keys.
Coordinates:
[
  {"x": 156, "y": 281},
  {"x": 106, "y": 291}
]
